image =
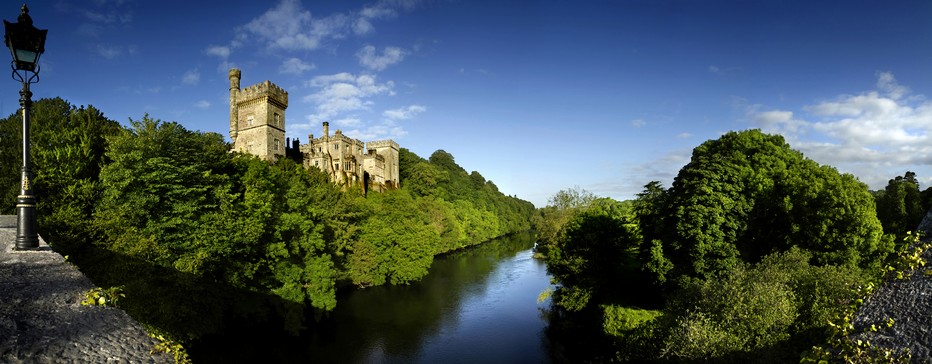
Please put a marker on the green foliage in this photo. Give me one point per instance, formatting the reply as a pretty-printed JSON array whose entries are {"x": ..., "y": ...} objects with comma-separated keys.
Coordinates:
[
  {"x": 197, "y": 238},
  {"x": 561, "y": 207},
  {"x": 762, "y": 308},
  {"x": 172, "y": 197},
  {"x": 754, "y": 249},
  {"x": 109, "y": 297},
  {"x": 67, "y": 152},
  {"x": 618, "y": 319},
  {"x": 596, "y": 247},
  {"x": 843, "y": 343},
  {"x": 899, "y": 205},
  {"x": 395, "y": 242},
  {"x": 168, "y": 345},
  {"x": 747, "y": 194}
]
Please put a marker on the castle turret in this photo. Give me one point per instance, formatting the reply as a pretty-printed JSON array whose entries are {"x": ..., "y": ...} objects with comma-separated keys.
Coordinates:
[
  {"x": 326, "y": 129},
  {"x": 234, "y": 90}
]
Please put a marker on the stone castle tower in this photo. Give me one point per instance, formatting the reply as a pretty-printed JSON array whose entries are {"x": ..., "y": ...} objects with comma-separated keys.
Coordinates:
[
  {"x": 257, "y": 118},
  {"x": 257, "y": 126}
]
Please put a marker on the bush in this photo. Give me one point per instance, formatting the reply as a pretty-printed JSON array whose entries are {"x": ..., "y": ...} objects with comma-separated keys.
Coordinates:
[{"x": 774, "y": 307}]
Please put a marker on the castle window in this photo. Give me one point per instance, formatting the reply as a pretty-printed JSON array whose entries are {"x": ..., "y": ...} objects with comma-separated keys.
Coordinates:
[
  {"x": 316, "y": 164},
  {"x": 249, "y": 120},
  {"x": 336, "y": 146},
  {"x": 277, "y": 120},
  {"x": 346, "y": 166},
  {"x": 277, "y": 142},
  {"x": 336, "y": 166}
]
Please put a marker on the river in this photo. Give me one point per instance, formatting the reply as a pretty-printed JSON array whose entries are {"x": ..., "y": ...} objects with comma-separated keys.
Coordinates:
[{"x": 478, "y": 305}]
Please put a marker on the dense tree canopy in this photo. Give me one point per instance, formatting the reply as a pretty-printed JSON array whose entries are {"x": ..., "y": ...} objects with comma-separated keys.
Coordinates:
[
  {"x": 900, "y": 206},
  {"x": 748, "y": 194},
  {"x": 750, "y": 254},
  {"x": 156, "y": 197}
]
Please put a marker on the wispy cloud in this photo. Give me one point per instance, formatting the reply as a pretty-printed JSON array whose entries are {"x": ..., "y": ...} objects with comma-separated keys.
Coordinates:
[
  {"x": 192, "y": 77},
  {"x": 404, "y": 113},
  {"x": 370, "y": 59},
  {"x": 638, "y": 123},
  {"x": 289, "y": 27},
  {"x": 109, "y": 51},
  {"x": 203, "y": 104},
  {"x": 295, "y": 66},
  {"x": 219, "y": 51},
  {"x": 722, "y": 71}
]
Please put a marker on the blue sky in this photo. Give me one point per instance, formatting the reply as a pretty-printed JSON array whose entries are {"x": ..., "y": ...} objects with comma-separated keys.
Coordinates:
[{"x": 537, "y": 96}]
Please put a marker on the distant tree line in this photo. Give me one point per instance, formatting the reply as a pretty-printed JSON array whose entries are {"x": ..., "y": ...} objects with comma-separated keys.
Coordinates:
[
  {"x": 180, "y": 224},
  {"x": 747, "y": 257}
]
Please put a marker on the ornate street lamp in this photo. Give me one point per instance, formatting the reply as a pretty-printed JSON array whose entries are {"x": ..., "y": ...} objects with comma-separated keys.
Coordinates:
[{"x": 26, "y": 44}]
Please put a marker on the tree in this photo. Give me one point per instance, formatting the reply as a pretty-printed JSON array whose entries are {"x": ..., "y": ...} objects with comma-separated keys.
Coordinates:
[
  {"x": 68, "y": 145},
  {"x": 748, "y": 194},
  {"x": 595, "y": 254},
  {"x": 899, "y": 205}
]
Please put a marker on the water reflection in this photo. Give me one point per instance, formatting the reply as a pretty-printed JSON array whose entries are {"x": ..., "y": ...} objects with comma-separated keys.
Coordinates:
[{"x": 477, "y": 305}]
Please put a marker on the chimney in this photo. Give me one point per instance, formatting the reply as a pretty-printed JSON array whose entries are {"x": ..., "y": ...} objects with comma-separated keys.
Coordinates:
[{"x": 326, "y": 129}]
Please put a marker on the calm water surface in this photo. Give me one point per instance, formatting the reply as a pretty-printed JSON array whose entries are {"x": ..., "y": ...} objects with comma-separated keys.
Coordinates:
[{"x": 475, "y": 306}]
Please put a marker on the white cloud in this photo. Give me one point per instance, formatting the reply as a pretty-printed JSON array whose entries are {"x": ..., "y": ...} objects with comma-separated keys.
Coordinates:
[
  {"x": 390, "y": 55},
  {"x": 203, "y": 104},
  {"x": 638, "y": 123},
  {"x": 404, "y": 113},
  {"x": 363, "y": 26},
  {"x": 295, "y": 66},
  {"x": 289, "y": 26},
  {"x": 887, "y": 83},
  {"x": 286, "y": 26},
  {"x": 776, "y": 121},
  {"x": 348, "y": 122},
  {"x": 684, "y": 135},
  {"x": 875, "y": 135},
  {"x": 192, "y": 77},
  {"x": 109, "y": 51},
  {"x": 344, "y": 92},
  {"x": 347, "y": 100},
  {"x": 219, "y": 51}
]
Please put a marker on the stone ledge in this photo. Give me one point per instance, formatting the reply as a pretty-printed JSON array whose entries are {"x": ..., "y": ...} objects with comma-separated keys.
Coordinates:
[{"x": 42, "y": 319}]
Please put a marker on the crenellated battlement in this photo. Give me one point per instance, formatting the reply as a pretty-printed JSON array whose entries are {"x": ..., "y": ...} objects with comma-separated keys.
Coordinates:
[
  {"x": 262, "y": 90},
  {"x": 387, "y": 143}
]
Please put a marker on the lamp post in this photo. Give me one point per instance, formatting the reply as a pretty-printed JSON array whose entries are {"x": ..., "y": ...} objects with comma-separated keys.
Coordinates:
[{"x": 26, "y": 44}]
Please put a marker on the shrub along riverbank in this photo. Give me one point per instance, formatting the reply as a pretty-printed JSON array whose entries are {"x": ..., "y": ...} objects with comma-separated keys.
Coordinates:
[
  {"x": 753, "y": 255},
  {"x": 197, "y": 237}
]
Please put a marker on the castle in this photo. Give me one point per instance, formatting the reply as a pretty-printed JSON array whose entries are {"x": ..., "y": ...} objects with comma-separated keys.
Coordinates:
[{"x": 257, "y": 126}]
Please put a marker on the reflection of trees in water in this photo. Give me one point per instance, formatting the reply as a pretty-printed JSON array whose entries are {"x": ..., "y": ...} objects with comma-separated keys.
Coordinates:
[{"x": 397, "y": 319}]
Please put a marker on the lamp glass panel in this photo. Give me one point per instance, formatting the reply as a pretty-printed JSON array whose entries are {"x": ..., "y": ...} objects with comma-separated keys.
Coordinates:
[{"x": 23, "y": 55}]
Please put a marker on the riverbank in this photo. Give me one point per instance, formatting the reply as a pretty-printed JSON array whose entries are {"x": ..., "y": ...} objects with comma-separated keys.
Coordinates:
[{"x": 42, "y": 319}]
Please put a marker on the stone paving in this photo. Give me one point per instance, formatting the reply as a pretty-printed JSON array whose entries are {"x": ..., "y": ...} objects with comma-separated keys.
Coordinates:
[{"x": 42, "y": 319}]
